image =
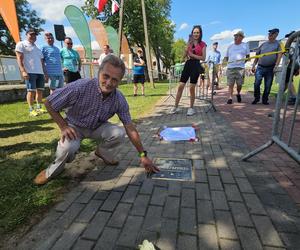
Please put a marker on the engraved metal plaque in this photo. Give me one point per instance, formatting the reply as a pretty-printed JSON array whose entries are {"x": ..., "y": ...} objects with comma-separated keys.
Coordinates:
[{"x": 174, "y": 169}]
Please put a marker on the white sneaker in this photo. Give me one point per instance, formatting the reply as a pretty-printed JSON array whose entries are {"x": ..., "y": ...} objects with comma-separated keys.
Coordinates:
[
  {"x": 191, "y": 111},
  {"x": 174, "y": 110}
]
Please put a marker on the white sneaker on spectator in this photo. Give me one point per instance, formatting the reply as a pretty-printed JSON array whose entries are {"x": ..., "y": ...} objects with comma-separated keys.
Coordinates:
[
  {"x": 174, "y": 110},
  {"x": 191, "y": 111}
]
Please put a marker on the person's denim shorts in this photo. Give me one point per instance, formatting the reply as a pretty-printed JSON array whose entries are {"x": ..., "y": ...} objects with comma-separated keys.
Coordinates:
[
  {"x": 56, "y": 82},
  {"x": 35, "y": 81}
]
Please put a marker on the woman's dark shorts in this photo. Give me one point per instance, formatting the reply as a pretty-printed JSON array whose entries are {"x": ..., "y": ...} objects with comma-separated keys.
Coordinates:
[{"x": 192, "y": 69}]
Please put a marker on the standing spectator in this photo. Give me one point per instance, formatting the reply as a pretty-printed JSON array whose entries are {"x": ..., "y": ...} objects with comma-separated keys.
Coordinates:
[
  {"x": 236, "y": 55},
  {"x": 90, "y": 104},
  {"x": 266, "y": 66},
  {"x": 70, "y": 61},
  {"x": 195, "y": 51},
  {"x": 52, "y": 63},
  {"x": 138, "y": 72},
  {"x": 214, "y": 59},
  {"x": 106, "y": 52},
  {"x": 30, "y": 61}
]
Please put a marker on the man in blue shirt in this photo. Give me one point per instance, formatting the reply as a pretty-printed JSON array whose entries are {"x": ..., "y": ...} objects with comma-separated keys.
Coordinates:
[
  {"x": 214, "y": 59},
  {"x": 52, "y": 63}
]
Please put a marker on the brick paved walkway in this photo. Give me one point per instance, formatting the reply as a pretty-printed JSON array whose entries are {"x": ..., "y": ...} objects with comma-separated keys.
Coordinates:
[{"x": 230, "y": 204}]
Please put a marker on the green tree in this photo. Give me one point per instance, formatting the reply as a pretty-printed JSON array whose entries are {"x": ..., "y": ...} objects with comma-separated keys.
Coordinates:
[
  {"x": 27, "y": 18},
  {"x": 160, "y": 29},
  {"x": 178, "y": 49}
]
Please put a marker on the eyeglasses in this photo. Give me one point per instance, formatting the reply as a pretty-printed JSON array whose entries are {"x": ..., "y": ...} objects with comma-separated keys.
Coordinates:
[
  {"x": 196, "y": 32},
  {"x": 69, "y": 43}
]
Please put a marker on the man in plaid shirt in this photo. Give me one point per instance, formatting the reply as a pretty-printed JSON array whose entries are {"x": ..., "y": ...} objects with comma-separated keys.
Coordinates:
[{"x": 89, "y": 103}]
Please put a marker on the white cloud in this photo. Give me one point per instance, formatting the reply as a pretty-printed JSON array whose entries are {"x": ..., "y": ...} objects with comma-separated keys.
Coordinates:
[
  {"x": 226, "y": 34},
  {"x": 53, "y": 10},
  {"x": 255, "y": 38},
  {"x": 183, "y": 26},
  {"x": 70, "y": 32}
]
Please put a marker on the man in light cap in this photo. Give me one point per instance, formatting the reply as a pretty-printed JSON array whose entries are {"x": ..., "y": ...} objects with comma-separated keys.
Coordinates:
[
  {"x": 236, "y": 55},
  {"x": 266, "y": 65}
]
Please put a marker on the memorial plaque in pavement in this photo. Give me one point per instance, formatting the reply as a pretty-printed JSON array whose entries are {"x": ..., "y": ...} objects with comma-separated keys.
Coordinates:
[{"x": 174, "y": 169}]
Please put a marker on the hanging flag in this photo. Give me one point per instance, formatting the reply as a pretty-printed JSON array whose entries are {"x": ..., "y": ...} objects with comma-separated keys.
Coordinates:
[
  {"x": 99, "y": 4},
  {"x": 114, "y": 7},
  {"x": 81, "y": 28},
  {"x": 9, "y": 15}
]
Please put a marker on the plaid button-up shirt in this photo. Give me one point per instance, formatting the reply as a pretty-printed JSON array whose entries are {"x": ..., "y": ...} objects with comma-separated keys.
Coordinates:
[{"x": 85, "y": 106}]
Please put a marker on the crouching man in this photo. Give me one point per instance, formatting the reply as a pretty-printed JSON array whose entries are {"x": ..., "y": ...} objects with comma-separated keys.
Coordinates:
[{"x": 89, "y": 104}]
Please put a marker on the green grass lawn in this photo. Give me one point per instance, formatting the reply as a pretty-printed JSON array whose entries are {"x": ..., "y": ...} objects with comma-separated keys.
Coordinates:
[{"x": 28, "y": 144}]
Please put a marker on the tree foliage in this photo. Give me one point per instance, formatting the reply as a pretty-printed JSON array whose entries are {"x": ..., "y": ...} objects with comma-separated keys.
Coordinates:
[
  {"x": 160, "y": 28},
  {"x": 27, "y": 18},
  {"x": 178, "y": 48}
]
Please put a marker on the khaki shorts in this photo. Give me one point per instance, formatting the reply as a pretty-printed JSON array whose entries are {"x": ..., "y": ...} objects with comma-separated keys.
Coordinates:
[{"x": 235, "y": 75}]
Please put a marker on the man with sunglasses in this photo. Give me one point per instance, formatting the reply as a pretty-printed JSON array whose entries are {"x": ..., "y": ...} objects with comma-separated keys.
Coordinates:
[
  {"x": 52, "y": 63},
  {"x": 70, "y": 61},
  {"x": 29, "y": 58}
]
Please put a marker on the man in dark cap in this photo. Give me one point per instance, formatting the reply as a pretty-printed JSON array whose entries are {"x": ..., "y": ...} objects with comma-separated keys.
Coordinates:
[
  {"x": 266, "y": 66},
  {"x": 214, "y": 59}
]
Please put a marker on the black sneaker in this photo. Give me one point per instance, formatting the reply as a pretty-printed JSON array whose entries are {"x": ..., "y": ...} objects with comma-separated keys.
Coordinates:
[
  {"x": 239, "y": 98},
  {"x": 255, "y": 101},
  {"x": 229, "y": 101},
  {"x": 292, "y": 101},
  {"x": 265, "y": 103}
]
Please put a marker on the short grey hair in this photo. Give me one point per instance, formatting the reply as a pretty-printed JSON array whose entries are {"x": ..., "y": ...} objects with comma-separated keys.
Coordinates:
[{"x": 114, "y": 61}]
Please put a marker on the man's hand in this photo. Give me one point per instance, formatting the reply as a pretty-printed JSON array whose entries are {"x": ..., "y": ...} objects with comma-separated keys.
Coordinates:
[
  {"x": 253, "y": 69},
  {"x": 25, "y": 75},
  {"x": 148, "y": 165},
  {"x": 65, "y": 69},
  {"x": 68, "y": 133},
  {"x": 46, "y": 78}
]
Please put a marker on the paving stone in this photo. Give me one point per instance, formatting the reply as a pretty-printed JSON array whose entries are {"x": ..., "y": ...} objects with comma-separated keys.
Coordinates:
[
  {"x": 212, "y": 171},
  {"x": 153, "y": 219},
  {"x": 240, "y": 214},
  {"x": 205, "y": 212},
  {"x": 219, "y": 200},
  {"x": 232, "y": 192},
  {"x": 69, "y": 237},
  {"x": 291, "y": 241},
  {"x": 227, "y": 176},
  {"x": 122, "y": 183},
  {"x": 119, "y": 216},
  {"x": 148, "y": 235},
  {"x": 254, "y": 205},
  {"x": 225, "y": 225},
  {"x": 171, "y": 208},
  {"x": 112, "y": 201},
  {"x": 208, "y": 238},
  {"x": 43, "y": 244},
  {"x": 187, "y": 223},
  {"x": 202, "y": 191},
  {"x": 200, "y": 176},
  {"x": 249, "y": 238},
  {"x": 88, "y": 193},
  {"x": 244, "y": 185},
  {"x": 68, "y": 217},
  {"x": 266, "y": 231},
  {"x": 167, "y": 240},
  {"x": 83, "y": 245},
  {"x": 160, "y": 183},
  {"x": 188, "y": 198},
  {"x": 101, "y": 195},
  {"x": 215, "y": 183},
  {"x": 229, "y": 244},
  {"x": 147, "y": 186},
  {"x": 237, "y": 172},
  {"x": 70, "y": 197},
  {"x": 159, "y": 196},
  {"x": 174, "y": 188},
  {"x": 96, "y": 226},
  {"x": 140, "y": 205},
  {"x": 89, "y": 211},
  {"x": 187, "y": 242},
  {"x": 130, "y": 231},
  {"x": 198, "y": 164},
  {"x": 130, "y": 194},
  {"x": 108, "y": 239}
]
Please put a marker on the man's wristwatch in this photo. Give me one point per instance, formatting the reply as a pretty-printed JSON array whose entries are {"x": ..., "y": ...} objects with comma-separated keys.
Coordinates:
[{"x": 143, "y": 154}]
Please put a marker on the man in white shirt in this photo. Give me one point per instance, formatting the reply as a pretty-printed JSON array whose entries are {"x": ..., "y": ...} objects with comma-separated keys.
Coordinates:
[
  {"x": 236, "y": 55},
  {"x": 30, "y": 61},
  {"x": 106, "y": 51}
]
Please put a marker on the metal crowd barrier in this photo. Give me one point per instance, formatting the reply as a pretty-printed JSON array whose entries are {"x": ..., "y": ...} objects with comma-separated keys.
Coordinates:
[
  {"x": 205, "y": 88},
  {"x": 286, "y": 127}
]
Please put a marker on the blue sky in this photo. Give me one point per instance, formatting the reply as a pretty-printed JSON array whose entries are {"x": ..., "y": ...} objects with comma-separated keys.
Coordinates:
[{"x": 219, "y": 19}]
